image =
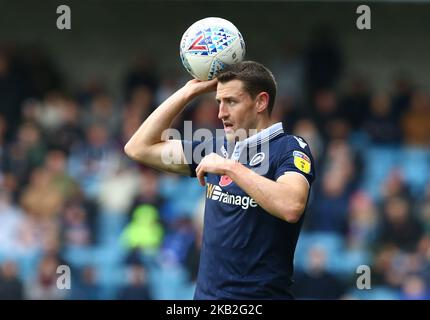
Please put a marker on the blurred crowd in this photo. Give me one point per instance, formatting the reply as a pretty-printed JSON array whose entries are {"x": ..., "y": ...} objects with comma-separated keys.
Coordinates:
[{"x": 69, "y": 196}]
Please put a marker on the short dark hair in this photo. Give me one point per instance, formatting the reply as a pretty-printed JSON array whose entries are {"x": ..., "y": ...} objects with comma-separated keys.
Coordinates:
[{"x": 256, "y": 78}]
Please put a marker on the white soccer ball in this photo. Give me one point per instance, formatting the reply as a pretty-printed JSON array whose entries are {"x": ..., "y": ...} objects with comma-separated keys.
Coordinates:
[{"x": 209, "y": 45}]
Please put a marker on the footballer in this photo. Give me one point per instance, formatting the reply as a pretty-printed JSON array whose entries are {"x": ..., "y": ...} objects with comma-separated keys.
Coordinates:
[{"x": 257, "y": 185}]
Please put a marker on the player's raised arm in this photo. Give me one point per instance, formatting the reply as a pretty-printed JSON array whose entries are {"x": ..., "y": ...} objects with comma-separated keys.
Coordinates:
[{"x": 147, "y": 145}]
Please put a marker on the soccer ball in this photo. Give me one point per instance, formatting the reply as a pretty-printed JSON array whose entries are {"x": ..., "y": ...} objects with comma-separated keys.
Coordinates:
[{"x": 209, "y": 45}]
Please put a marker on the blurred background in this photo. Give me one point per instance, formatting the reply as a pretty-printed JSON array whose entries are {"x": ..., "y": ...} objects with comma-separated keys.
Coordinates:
[{"x": 70, "y": 99}]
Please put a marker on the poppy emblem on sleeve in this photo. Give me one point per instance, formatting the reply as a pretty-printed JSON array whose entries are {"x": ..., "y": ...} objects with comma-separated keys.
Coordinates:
[{"x": 225, "y": 181}]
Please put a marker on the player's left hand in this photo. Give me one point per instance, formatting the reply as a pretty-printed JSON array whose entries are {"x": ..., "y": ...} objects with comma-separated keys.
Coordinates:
[{"x": 212, "y": 163}]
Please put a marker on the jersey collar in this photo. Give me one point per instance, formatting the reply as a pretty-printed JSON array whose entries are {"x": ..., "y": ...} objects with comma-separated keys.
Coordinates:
[{"x": 257, "y": 139}]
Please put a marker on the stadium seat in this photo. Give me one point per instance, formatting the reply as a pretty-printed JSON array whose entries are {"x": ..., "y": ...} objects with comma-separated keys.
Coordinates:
[
  {"x": 415, "y": 164},
  {"x": 378, "y": 162}
]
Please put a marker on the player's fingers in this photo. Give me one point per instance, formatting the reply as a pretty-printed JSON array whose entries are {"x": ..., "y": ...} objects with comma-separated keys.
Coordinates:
[
  {"x": 213, "y": 82},
  {"x": 201, "y": 177},
  {"x": 202, "y": 181},
  {"x": 209, "y": 85}
]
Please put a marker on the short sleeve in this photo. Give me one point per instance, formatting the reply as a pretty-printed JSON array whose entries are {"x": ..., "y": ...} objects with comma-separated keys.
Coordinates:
[
  {"x": 194, "y": 152},
  {"x": 296, "y": 157}
]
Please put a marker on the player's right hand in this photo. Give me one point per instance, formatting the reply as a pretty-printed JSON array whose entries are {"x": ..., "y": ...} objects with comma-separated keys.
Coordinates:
[{"x": 198, "y": 87}]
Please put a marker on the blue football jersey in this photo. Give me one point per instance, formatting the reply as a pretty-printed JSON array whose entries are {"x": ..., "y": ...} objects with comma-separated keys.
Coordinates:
[{"x": 248, "y": 253}]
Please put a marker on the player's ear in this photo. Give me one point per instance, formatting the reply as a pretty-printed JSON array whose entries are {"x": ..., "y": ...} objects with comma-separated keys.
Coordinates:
[{"x": 262, "y": 100}]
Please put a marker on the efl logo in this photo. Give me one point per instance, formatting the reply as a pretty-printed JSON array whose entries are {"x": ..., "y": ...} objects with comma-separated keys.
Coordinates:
[{"x": 199, "y": 44}]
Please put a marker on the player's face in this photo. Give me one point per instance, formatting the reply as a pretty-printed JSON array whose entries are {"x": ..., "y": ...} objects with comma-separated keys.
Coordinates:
[{"x": 237, "y": 109}]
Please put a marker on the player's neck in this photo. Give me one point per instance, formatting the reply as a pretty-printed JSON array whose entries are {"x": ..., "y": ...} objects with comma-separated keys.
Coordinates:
[{"x": 264, "y": 123}]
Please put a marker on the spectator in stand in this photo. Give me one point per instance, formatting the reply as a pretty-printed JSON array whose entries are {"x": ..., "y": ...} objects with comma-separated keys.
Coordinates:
[
  {"x": 44, "y": 285},
  {"x": 142, "y": 73},
  {"x": 103, "y": 110},
  {"x": 128, "y": 127},
  {"x": 144, "y": 231},
  {"x": 56, "y": 164},
  {"x": 118, "y": 188},
  {"x": 93, "y": 159},
  {"x": 41, "y": 198},
  {"x": 75, "y": 228},
  {"x": 140, "y": 104},
  {"x": 383, "y": 265},
  {"x": 177, "y": 242},
  {"x": 401, "y": 96},
  {"x": 338, "y": 129},
  {"x": 136, "y": 287},
  {"x": 148, "y": 192},
  {"x": 323, "y": 60},
  {"x": 381, "y": 126},
  {"x": 26, "y": 153},
  {"x": 355, "y": 105},
  {"x": 325, "y": 110},
  {"x": 50, "y": 113},
  {"x": 399, "y": 226},
  {"x": 86, "y": 287},
  {"x": 395, "y": 185},
  {"x": 362, "y": 221},
  {"x": 70, "y": 133},
  {"x": 136, "y": 109},
  {"x": 12, "y": 221},
  {"x": 328, "y": 211},
  {"x": 415, "y": 288},
  {"x": 416, "y": 121},
  {"x": 11, "y": 286},
  {"x": 316, "y": 282},
  {"x": 340, "y": 157}
]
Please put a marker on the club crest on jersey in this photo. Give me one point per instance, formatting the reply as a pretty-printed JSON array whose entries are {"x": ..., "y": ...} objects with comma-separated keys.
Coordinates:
[
  {"x": 302, "y": 161},
  {"x": 256, "y": 159},
  {"x": 224, "y": 181}
]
